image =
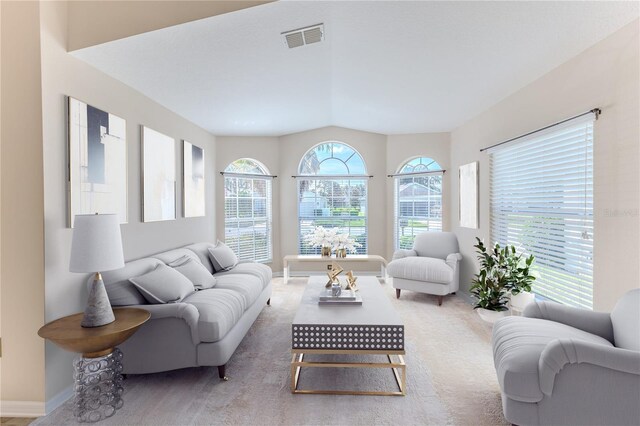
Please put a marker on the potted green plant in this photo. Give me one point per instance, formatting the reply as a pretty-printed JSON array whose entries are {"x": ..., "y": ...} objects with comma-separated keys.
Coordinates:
[{"x": 502, "y": 272}]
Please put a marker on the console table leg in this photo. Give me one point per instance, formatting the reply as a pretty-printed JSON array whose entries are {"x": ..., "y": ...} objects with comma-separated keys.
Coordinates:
[{"x": 285, "y": 272}]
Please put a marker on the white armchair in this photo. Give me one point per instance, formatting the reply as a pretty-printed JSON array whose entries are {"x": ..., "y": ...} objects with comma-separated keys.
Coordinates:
[
  {"x": 559, "y": 365},
  {"x": 431, "y": 267}
]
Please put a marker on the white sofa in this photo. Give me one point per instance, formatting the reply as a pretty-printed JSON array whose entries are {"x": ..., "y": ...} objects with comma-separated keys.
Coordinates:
[{"x": 205, "y": 328}]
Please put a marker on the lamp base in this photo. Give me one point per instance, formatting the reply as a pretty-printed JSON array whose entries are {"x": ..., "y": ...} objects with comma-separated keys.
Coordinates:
[{"x": 98, "y": 311}]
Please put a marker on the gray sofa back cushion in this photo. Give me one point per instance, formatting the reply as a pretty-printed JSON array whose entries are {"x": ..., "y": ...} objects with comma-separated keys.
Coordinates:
[
  {"x": 170, "y": 256},
  {"x": 222, "y": 257},
  {"x": 625, "y": 319},
  {"x": 201, "y": 250},
  {"x": 436, "y": 244},
  {"x": 193, "y": 269},
  {"x": 120, "y": 290}
]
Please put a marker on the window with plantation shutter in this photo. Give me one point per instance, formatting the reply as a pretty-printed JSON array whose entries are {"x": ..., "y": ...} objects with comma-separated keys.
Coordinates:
[
  {"x": 332, "y": 193},
  {"x": 418, "y": 200},
  {"x": 542, "y": 202},
  {"x": 247, "y": 210}
]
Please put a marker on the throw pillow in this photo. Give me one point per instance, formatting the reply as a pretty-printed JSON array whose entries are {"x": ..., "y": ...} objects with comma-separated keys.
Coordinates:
[
  {"x": 196, "y": 272},
  {"x": 163, "y": 285},
  {"x": 222, "y": 257}
]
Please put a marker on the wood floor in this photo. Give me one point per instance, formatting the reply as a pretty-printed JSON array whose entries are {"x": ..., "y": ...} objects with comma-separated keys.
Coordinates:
[{"x": 16, "y": 421}]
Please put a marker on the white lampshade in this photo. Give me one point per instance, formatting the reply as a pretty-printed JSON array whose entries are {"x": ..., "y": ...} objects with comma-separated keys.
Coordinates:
[{"x": 96, "y": 244}]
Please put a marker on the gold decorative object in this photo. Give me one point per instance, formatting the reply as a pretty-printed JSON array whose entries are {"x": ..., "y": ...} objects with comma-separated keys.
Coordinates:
[
  {"x": 341, "y": 252},
  {"x": 326, "y": 251},
  {"x": 351, "y": 281},
  {"x": 333, "y": 274}
]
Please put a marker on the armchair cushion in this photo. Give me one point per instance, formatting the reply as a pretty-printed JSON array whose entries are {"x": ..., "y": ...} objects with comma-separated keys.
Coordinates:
[
  {"x": 436, "y": 244},
  {"x": 421, "y": 269},
  {"x": 400, "y": 254},
  {"x": 518, "y": 343}
]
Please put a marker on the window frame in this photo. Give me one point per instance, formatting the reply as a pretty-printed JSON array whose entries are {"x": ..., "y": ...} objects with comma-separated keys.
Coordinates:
[
  {"x": 566, "y": 272},
  {"x": 261, "y": 173},
  {"x": 332, "y": 178},
  {"x": 432, "y": 168}
]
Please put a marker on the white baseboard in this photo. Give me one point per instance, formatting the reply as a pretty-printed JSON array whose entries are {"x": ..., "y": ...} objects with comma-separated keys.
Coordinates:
[
  {"x": 22, "y": 408},
  {"x": 59, "y": 399}
]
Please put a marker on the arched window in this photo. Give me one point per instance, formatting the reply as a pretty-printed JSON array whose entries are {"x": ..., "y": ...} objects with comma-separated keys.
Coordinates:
[
  {"x": 332, "y": 193},
  {"x": 418, "y": 200},
  {"x": 247, "y": 210}
]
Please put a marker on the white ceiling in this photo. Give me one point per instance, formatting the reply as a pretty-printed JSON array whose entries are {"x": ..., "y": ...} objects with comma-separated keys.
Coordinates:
[{"x": 388, "y": 67}]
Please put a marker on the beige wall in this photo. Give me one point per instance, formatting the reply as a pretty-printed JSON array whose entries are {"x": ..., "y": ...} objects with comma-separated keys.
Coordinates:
[
  {"x": 265, "y": 150},
  {"x": 605, "y": 76},
  {"x": 400, "y": 149},
  {"x": 95, "y": 22},
  {"x": 63, "y": 74},
  {"x": 22, "y": 245}
]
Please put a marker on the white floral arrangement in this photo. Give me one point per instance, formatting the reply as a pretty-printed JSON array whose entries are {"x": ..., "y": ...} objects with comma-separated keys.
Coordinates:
[
  {"x": 321, "y": 237},
  {"x": 343, "y": 241}
]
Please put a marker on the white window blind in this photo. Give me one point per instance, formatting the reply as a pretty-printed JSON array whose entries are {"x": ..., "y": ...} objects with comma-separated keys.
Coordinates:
[
  {"x": 417, "y": 200},
  {"x": 332, "y": 193},
  {"x": 248, "y": 218},
  {"x": 332, "y": 203},
  {"x": 542, "y": 202}
]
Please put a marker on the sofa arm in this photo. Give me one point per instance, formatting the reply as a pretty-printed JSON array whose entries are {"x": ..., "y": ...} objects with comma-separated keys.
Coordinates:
[
  {"x": 453, "y": 259},
  {"x": 399, "y": 254},
  {"x": 184, "y": 311},
  {"x": 561, "y": 352},
  {"x": 597, "y": 323}
]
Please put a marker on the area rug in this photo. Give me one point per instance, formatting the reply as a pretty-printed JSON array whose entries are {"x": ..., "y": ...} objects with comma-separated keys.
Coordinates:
[{"x": 450, "y": 378}]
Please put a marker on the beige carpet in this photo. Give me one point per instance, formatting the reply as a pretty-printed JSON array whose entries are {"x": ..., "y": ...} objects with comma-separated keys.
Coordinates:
[{"x": 451, "y": 379}]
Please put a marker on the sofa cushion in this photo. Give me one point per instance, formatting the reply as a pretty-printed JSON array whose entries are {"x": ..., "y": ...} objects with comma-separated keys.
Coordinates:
[
  {"x": 222, "y": 257},
  {"x": 163, "y": 285},
  {"x": 193, "y": 269},
  {"x": 257, "y": 269},
  {"x": 120, "y": 290},
  {"x": 427, "y": 269},
  {"x": 625, "y": 319},
  {"x": 517, "y": 345},
  {"x": 219, "y": 309},
  {"x": 248, "y": 286}
]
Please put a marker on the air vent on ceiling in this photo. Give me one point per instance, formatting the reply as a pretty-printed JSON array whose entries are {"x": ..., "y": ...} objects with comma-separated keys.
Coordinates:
[{"x": 302, "y": 36}]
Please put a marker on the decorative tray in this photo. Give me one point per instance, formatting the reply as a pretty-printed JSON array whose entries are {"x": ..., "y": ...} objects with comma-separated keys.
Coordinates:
[{"x": 346, "y": 298}]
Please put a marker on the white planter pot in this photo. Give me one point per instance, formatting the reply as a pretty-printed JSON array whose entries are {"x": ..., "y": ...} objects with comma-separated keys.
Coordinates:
[
  {"x": 491, "y": 316},
  {"x": 520, "y": 301}
]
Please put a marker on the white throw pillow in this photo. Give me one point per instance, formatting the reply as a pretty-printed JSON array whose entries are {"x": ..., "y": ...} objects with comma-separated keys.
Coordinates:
[
  {"x": 222, "y": 257},
  {"x": 163, "y": 285},
  {"x": 195, "y": 271}
]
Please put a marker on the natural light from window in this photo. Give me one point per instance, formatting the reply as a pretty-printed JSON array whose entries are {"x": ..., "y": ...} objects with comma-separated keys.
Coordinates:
[
  {"x": 417, "y": 200},
  {"x": 247, "y": 210},
  {"x": 332, "y": 193}
]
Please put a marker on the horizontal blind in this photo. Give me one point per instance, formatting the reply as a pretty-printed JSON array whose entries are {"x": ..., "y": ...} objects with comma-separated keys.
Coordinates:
[
  {"x": 248, "y": 218},
  {"x": 332, "y": 203},
  {"x": 542, "y": 202},
  {"x": 417, "y": 207}
]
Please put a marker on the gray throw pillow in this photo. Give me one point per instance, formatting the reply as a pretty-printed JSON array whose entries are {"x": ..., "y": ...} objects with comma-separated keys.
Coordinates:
[
  {"x": 195, "y": 271},
  {"x": 222, "y": 257},
  {"x": 163, "y": 285}
]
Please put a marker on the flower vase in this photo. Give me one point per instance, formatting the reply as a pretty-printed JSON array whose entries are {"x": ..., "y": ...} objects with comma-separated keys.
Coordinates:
[
  {"x": 341, "y": 252},
  {"x": 326, "y": 251}
]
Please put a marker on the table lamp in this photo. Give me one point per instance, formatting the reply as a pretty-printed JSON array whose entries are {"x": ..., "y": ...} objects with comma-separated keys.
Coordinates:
[{"x": 96, "y": 247}]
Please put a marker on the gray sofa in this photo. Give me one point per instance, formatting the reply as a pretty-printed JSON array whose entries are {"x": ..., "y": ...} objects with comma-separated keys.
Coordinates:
[
  {"x": 559, "y": 365},
  {"x": 205, "y": 328}
]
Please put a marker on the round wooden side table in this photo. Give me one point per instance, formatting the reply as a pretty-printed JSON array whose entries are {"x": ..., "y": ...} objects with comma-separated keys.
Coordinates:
[{"x": 98, "y": 371}]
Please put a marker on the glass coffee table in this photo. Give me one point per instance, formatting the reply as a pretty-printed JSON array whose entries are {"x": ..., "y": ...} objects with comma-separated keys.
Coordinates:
[{"x": 373, "y": 328}]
